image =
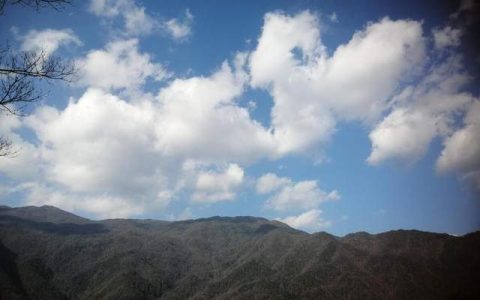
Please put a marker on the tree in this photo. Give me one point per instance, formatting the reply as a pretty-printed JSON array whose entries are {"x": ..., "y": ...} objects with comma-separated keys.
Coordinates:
[{"x": 21, "y": 70}]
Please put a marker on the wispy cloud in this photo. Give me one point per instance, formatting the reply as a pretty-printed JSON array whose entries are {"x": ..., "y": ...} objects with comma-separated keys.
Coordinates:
[
  {"x": 137, "y": 21},
  {"x": 48, "y": 40}
]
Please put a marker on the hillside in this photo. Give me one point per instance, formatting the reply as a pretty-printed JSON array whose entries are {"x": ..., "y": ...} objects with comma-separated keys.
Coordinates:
[{"x": 47, "y": 253}]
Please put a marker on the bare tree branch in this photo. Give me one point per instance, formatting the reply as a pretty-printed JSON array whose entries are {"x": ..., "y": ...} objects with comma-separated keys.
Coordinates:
[
  {"x": 36, "y": 4},
  {"x": 6, "y": 148},
  {"x": 19, "y": 71}
]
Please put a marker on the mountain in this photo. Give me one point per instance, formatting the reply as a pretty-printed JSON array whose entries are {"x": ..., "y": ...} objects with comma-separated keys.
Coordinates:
[{"x": 47, "y": 253}]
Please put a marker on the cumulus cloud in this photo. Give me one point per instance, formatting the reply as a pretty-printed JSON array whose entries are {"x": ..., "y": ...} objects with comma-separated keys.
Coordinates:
[
  {"x": 289, "y": 195},
  {"x": 97, "y": 156},
  {"x": 114, "y": 138},
  {"x": 403, "y": 134},
  {"x": 212, "y": 186},
  {"x": 137, "y": 153},
  {"x": 312, "y": 90},
  {"x": 49, "y": 40},
  {"x": 201, "y": 119},
  {"x": 119, "y": 66},
  {"x": 311, "y": 220}
]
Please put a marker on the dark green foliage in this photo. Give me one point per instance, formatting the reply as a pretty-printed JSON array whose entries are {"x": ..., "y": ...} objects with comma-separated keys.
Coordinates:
[{"x": 46, "y": 253}]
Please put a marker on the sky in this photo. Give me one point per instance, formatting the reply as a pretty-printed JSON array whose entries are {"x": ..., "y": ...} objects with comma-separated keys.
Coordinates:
[{"x": 326, "y": 115}]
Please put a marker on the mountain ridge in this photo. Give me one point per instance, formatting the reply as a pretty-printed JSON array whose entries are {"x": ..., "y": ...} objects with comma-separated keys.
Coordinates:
[
  {"x": 212, "y": 218},
  {"x": 48, "y": 253}
]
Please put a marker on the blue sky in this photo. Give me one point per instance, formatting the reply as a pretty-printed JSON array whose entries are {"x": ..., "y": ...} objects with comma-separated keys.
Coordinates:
[{"x": 337, "y": 116}]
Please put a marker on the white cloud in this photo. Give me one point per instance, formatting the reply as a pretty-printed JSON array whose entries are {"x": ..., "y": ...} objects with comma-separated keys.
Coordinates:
[
  {"x": 119, "y": 66},
  {"x": 49, "y": 40},
  {"x": 102, "y": 206},
  {"x": 96, "y": 156},
  {"x": 420, "y": 113},
  {"x": 446, "y": 37},
  {"x": 270, "y": 182},
  {"x": 313, "y": 90},
  {"x": 202, "y": 121},
  {"x": 99, "y": 143},
  {"x": 310, "y": 220},
  {"x": 213, "y": 187},
  {"x": 179, "y": 29},
  {"x": 136, "y": 153},
  {"x": 302, "y": 195},
  {"x": 101, "y": 147},
  {"x": 461, "y": 151},
  {"x": 403, "y": 134},
  {"x": 289, "y": 195},
  {"x": 135, "y": 20},
  {"x": 361, "y": 81},
  {"x": 108, "y": 8},
  {"x": 24, "y": 164}
]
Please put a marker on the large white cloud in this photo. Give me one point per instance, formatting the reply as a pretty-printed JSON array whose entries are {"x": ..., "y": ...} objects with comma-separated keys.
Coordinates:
[
  {"x": 421, "y": 112},
  {"x": 137, "y": 153},
  {"x": 433, "y": 107},
  {"x": 98, "y": 143},
  {"x": 387, "y": 76},
  {"x": 202, "y": 121},
  {"x": 312, "y": 90}
]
